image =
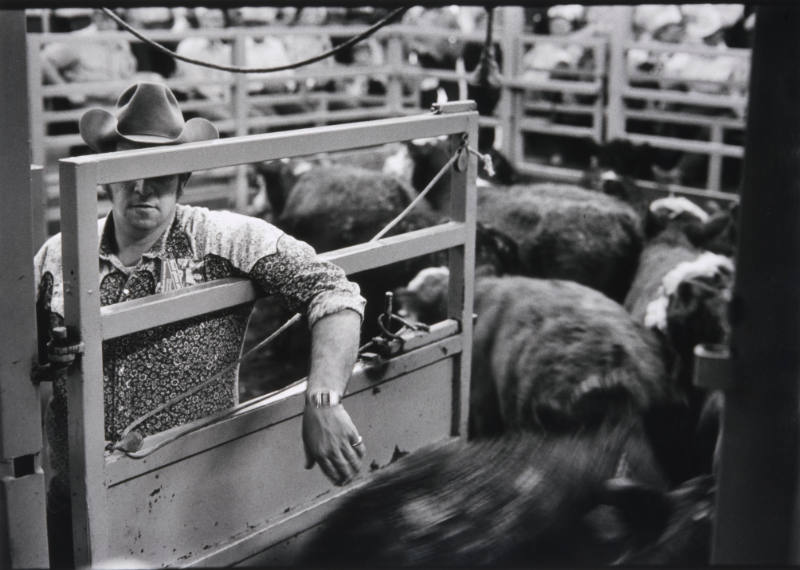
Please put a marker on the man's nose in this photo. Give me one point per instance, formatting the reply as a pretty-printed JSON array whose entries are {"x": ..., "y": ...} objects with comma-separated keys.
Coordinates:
[{"x": 140, "y": 187}]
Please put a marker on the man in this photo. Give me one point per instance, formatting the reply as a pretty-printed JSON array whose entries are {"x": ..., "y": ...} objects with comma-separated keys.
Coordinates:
[{"x": 149, "y": 244}]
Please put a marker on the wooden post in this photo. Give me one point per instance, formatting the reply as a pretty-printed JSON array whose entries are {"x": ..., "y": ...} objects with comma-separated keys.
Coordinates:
[
  {"x": 23, "y": 526},
  {"x": 757, "y": 502}
]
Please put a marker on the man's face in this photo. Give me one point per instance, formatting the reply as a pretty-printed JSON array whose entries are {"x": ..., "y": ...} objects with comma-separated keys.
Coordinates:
[{"x": 145, "y": 205}]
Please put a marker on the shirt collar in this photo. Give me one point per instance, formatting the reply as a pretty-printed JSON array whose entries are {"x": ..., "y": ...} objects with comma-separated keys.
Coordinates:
[{"x": 174, "y": 242}]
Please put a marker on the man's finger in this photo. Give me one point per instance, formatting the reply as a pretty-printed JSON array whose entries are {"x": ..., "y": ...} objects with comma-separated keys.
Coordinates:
[
  {"x": 342, "y": 466},
  {"x": 353, "y": 454},
  {"x": 328, "y": 469}
]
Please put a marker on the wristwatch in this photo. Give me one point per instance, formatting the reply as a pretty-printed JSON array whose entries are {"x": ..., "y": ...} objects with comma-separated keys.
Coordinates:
[{"x": 324, "y": 399}]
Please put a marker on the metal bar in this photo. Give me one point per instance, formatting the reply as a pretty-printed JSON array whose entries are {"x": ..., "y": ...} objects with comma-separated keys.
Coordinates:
[
  {"x": 509, "y": 108},
  {"x": 617, "y": 77},
  {"x": 662, "y": 47},
  {"x": 116, "y": 166},
  {"x": 155, "y": 310},
  {"x": 23, "y": 536},
  {"x": 394, "y": 88},
  {"x": 538, "y": 125},
  {"x": 38, "y": 196},
  {"x": 685, "y": 118},
  {"x": 670, "y": 96},
  {"x": 241, "y": 110},
  {"x": 756, "y": 518},
  {"x": 461, "y": 263},
  {"x": 687, "y": 145},
  {"x": 714, "y": 177},
  {"x": 35, "y": 102},
  {"x": 576, "y": 87},
  {"x": 85, "y": 398}
]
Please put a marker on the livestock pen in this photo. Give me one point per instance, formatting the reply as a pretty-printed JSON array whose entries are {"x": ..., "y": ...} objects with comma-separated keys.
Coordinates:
[
  {"x": 574, "y": 108},
  {"x": 756, "y": 520}
]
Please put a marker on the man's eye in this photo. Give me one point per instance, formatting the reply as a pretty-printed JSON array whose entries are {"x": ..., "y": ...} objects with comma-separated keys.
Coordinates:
[{"x": 161, "y": 180}]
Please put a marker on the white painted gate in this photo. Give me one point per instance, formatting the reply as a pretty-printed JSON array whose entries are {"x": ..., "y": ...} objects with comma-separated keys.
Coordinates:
[{"x": 236, "y": 492}]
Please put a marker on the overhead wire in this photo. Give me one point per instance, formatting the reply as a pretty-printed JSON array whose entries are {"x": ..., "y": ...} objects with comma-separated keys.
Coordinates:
[{"x": 238, "y": 69}]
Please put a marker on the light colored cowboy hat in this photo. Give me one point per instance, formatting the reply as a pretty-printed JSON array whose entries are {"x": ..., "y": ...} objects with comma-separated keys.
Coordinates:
[{"x": 146, "y": 114}]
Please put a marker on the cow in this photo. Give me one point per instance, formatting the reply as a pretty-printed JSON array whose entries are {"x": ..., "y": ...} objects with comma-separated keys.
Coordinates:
[
  {"x": 524, "y": 499},
  {"x": 566, "y": 232},
  {"x": 549, "y": 354},
  {"x": 681, "y": 292}
]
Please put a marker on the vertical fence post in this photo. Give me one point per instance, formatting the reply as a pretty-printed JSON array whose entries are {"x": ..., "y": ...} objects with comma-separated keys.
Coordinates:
[
  {"x": 240, "y": 114},
  {"x": 394, "y": 88},
  {"x": 35, "y": 99},
  {"x": 756, "y": 520},
  {"x": 462, "y": 271},
  {"x": 617, "y": 75},
  {"x": 23, "y": 530},
  {"x": 600, "y": 51},
  {"x": 510, "y": 106},
  {"x": 714, "y": 176}
]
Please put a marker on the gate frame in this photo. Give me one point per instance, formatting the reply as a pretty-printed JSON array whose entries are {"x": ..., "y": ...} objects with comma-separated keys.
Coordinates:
[{"x": 85, "y": 320}]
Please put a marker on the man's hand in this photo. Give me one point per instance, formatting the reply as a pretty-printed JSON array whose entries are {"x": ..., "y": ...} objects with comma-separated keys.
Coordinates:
[{"x": 329, "y": 436}]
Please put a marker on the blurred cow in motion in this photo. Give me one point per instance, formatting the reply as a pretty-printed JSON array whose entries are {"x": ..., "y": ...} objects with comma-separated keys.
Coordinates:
[{"x": 592, "y": 498}]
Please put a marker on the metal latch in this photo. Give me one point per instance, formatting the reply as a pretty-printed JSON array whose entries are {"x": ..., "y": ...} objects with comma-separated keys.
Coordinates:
[
  {"x": 61, "y": 353},
  {"x": 460, "y": 106},
  {"x": 382, "y": 347},
  {"x": 712, "y": 367}
]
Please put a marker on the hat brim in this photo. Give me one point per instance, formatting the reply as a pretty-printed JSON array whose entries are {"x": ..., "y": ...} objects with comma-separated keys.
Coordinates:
[{"x": 98, "y": 128}]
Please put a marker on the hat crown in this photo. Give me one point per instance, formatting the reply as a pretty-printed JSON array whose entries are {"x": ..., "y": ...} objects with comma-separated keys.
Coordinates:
[{"x": 149, "y": 109}]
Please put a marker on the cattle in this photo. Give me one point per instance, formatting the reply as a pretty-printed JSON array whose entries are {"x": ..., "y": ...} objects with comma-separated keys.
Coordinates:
[
  {"x": 556, "y": 355},
  {"x": 528, "y": 500},
  {"x": 681, "y": 292},
  {"x": 549, "y": 354},
  {"x": 566, "y": 232},
  {"x": 332, "y": 207}
]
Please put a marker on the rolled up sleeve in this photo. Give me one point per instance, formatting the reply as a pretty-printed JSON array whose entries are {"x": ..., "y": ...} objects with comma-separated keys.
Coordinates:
[{"x": 307, "y": 283}]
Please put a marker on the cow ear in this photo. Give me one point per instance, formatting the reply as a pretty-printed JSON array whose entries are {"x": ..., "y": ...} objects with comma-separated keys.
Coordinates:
[{"x": 646, "y": 510}]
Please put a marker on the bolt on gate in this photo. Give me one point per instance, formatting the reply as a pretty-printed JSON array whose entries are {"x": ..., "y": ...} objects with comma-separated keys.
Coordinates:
[{"x": 236, "y": 490}]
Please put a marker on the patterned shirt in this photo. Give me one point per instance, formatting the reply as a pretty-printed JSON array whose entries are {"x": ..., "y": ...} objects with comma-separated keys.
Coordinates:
[{"x": 144, "y": 369}]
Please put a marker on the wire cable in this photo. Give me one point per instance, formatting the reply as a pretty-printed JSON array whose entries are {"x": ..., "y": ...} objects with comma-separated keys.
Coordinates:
[{"x": 237, "y": 69}]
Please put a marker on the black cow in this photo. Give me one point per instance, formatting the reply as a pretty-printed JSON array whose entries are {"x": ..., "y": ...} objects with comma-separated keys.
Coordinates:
[{"x": 528, "y": 500}]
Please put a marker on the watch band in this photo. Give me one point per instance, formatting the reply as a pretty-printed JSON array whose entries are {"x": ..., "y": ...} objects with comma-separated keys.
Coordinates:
[{"x": 325, "y": 399}]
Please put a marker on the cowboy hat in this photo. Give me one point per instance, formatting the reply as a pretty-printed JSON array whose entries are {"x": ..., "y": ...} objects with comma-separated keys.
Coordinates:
[{"x": 146, "y": 114}]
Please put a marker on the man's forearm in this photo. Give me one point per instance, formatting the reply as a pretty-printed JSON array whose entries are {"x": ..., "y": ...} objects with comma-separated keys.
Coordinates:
[{"x": 334, "y": 348}]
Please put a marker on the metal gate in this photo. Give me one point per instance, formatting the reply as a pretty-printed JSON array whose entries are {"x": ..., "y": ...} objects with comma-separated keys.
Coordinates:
[{"x": 236, "y": 492}]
